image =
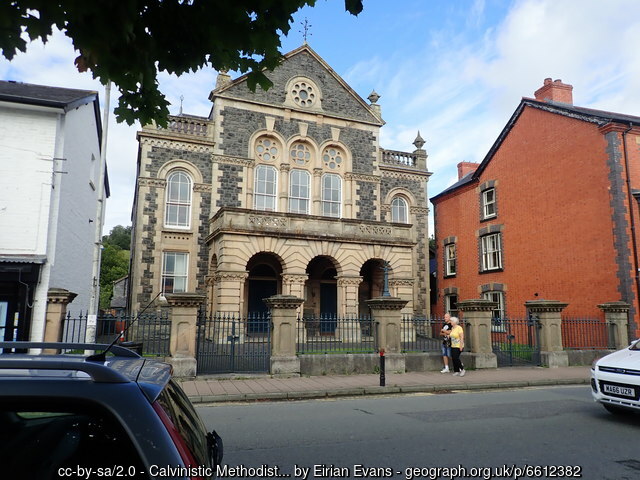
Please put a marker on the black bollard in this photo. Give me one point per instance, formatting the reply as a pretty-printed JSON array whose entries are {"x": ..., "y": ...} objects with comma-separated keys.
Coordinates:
[{"x": 382, "y": 377}]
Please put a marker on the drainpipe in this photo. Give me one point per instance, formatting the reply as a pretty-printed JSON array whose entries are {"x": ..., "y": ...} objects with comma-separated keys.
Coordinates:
[{"x": 633, "y": 226}]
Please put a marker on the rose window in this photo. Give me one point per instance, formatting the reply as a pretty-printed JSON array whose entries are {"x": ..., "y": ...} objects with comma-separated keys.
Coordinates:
[
  {"x": 267, "y": 149},
  {"x": 332, "y": 158},
  {"x": 303, "y": 94},
  {"x": 300, "y": 154}
]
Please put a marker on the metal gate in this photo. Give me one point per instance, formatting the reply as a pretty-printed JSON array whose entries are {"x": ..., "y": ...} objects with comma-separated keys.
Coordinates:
[
  {"x": 516, "y": 342},
  {"x": 230, "y": 343}
]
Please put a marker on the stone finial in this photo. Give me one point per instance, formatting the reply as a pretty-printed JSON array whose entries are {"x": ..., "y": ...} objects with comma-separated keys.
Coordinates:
[
  {"x": 419, "y": 142},
  {"x": 373, "y": 97}
]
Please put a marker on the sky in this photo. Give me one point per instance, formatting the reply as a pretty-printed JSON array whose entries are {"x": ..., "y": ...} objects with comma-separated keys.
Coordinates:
[{"x": 455, "y": 70}]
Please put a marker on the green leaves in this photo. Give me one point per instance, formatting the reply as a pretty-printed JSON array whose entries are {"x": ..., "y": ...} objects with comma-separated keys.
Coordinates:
[{"x": 129, "y": 41}]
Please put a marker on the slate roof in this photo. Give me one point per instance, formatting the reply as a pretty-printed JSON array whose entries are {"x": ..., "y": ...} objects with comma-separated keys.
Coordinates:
[
  {"x": 599, "y": 117},
  {"x": 66, "y": 98}
]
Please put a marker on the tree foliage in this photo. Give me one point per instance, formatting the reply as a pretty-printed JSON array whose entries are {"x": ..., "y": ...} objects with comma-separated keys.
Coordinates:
[
  {"x": 115, "y": 261},
  {"x": 129, "y": 41}
]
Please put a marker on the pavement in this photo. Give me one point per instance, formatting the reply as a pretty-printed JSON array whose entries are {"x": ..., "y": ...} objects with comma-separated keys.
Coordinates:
[{"x": 248, "y": 387}]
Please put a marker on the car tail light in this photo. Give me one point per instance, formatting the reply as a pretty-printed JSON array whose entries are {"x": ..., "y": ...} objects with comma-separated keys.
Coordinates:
[{"x": 183, "y": 449}]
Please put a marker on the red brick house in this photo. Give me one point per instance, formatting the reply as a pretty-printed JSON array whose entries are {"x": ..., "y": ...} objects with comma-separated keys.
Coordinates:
[{"x": 550, "y": 213}]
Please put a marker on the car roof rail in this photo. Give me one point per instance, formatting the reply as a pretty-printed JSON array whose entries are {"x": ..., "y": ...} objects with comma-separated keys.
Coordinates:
[
  {"x": 97, "y": 371},
  {"x": 116, "y": 349}
]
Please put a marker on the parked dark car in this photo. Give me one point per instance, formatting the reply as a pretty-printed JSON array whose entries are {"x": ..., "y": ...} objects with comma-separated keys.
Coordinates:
[{"x": 106, "y": 415}]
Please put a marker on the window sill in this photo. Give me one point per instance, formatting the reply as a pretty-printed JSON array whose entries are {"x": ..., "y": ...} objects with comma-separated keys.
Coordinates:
[{"x": 493, "y": 270}]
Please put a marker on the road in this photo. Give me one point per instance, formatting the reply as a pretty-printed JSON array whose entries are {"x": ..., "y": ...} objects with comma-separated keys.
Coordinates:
[{"x": 473, "y": 433}]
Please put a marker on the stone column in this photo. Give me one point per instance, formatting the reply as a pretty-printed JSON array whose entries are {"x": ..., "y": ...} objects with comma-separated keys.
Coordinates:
[
  {"x": 282, "y": 195},
  {"x": 57, "y": 301},
  {"x": 387, "y": 316},
  {"x": 477, "y": 335},
  {"x": 552, "y": 353},
  {"x": 293, "y": 284},
  {"x": 284, "y": 320},
  {"x": 184, "y": 333},
  {"x": 316, "y": 199},
  {"x": 616, "y": 314}
]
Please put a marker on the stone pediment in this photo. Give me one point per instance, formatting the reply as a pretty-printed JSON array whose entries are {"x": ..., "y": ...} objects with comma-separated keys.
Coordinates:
[{"x": 304, "y": 82}]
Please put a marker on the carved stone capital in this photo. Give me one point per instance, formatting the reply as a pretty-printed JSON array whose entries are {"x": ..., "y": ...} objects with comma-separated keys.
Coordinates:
[
  {"x": 284, "y": 301},
  {"x": 245, "y": 162},
  {"x": 295, "y": 278},
  {"x": 60, "y": 295},
  {"x": 193, "y": 300},
  {"x": 401, "y": 282},
  {"x": 202, "y": 188},
  {"x": 152, "y": 182},
  {"x": 230, "y": 276},
  {"x": 347, "y": 280},
  {"x": 361, "y": 177}
]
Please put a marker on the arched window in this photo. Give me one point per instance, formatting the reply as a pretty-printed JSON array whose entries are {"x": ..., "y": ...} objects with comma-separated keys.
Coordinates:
[
  {"x": 178, "y": 209},
  {"x": 299, "y": 191},
  {"x": 331, "y": 195},
  {"x": 300, "y": 154},
  {"x": 333, "y": 158},
  {"x": 267, "y": 149},
  {"x": 399, "y": 210},
  {"x": 266, "y": 181}
]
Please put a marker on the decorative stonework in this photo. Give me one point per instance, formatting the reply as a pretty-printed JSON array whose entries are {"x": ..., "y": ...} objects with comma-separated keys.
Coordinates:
[
  {"x": 376, "y": 230},
  {"x": 477, "y": 305},
  {"x": 362, "y": 178},
  {"x": 349, "y": 281},
  {"x": 263, "y": 221},
  {"x": 419, "y": 210},
  {"x": 402, "y": 282},
  {"x": 417, "y": 176},
  {"x": 189, "y": 146},
  {"x": 192, "y": 300},
  {"x": 202, "y": 188},
  {"x": 615, "y": 307},
  {"x": 245, "y": 162},
  {"x": 60, "y": 295},
  {"x": 176, "y": 236},
  {"x": 283, "y": 301},
  {"x": 541, "y": 306},
  {"x": 294, "y": 278},
  {"x": 152, "y": 182},
  {"x": 386, "y": 303},
  {"x": 230, "y": 276}
]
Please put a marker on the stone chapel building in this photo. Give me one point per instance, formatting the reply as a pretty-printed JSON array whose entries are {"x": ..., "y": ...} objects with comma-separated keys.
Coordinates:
[{"x": 285, "y": 191}]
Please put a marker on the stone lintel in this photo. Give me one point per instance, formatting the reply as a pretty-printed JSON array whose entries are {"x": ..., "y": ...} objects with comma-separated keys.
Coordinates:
[
  {"x": 615, "y": 307},
  {"x": 542, "y": 306},
  {"x": 386, "y": 303},
  {"x": 193, "y": 300},
  {"x": 283, "y": 301},
  {"x": 60, "y": 295},
  {"x": 476, "y": 305}
]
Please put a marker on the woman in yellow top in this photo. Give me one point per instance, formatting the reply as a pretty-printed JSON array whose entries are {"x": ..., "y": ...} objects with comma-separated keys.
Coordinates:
[{"x": 457, "y": 345}]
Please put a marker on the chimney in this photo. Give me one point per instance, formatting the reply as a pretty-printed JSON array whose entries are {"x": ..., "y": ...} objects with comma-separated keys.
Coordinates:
[
  {"x": 465, "y": 168},
  {"x": 555, "y": 91},
  {"x": 223, "y": 79}
]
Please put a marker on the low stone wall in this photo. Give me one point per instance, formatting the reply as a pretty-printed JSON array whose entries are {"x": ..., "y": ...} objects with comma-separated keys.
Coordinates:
[
  {"x": 339, "y": 364},
  {"x": 585, "y": 357}
]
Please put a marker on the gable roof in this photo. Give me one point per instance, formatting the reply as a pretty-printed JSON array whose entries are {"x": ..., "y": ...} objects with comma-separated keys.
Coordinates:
[
  {"x": 55, "y": 97},
  {"x": 598, "y": 117},
  {"x": 237, "y": 89}
]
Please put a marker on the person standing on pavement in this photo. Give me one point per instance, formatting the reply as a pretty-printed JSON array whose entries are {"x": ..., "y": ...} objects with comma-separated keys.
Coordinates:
[
  {"x": 457, "y": 346},
  {"x": 446, "y": 342}
]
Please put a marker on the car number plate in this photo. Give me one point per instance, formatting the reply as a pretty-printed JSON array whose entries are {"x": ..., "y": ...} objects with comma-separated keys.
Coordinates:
[{"x": 618, "y": 390}]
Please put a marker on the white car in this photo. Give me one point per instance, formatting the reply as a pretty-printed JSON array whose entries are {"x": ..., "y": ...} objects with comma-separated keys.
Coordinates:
[{"x": 615, "y": 379}]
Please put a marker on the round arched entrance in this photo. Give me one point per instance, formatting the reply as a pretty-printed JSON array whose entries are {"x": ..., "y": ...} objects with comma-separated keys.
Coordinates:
[
  {"x": 264, "y": 280},
  {"x": 372, "y": 283},
  {"x": 321, "y": 292}
]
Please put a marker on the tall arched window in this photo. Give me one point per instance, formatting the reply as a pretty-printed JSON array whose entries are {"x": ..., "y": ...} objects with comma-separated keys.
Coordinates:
[
  {"x": 299, "y": 191},
  {"x": 331, "y": 195},
  {"x": 178, "y": 203},
  {"x": 266, "y": 182},
  {"x": 399, "y": 210}
]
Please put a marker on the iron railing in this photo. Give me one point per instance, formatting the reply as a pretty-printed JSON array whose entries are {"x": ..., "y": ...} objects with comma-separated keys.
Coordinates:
[
  {"x": 421, "y": 334},
  {"x": 331, "y": 334},
  {"x": 153, "y": 330},
  {"x": 585, "y": 334},
  {"x": 516, "y": 341}
]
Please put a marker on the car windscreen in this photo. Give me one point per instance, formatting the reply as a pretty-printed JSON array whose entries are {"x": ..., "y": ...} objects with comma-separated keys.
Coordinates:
[{"x": 635, "y": 345}]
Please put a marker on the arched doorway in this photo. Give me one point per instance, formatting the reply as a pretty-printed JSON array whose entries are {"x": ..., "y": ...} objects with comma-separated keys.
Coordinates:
[
  {"x": 321, "y": 293},
  {"x": 264, "y": 280},
  {"x": 372, "y": 283}
]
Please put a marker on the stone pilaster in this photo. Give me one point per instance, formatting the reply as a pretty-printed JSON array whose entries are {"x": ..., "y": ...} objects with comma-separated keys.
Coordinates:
[
  {"x": 293, "y": 284},
  {"x": 284, "y": 319},
  {"x": 348, "y": 324},
  {"x": 548, "y": 312},
  {"x": 616, "y": 314},
  {"x": 182, "y": 345},
  {"x": 229, "y": 291},
  {"x": 386, "y": 312},
  {"x": 57, "y": 301},
  {"x": 477, "y": 324}
]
